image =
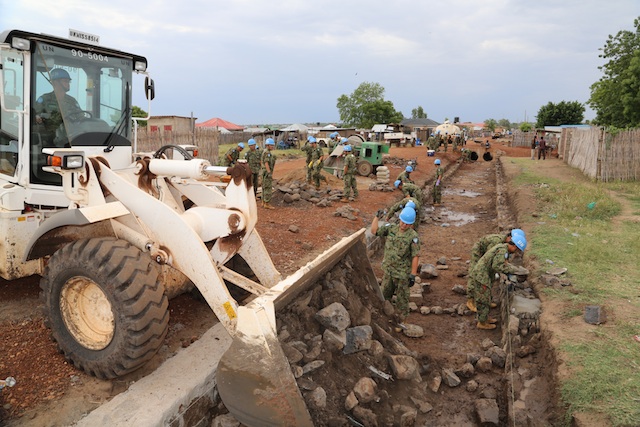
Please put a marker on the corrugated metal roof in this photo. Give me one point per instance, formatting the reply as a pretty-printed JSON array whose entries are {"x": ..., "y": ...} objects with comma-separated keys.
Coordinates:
[{"x": 217, "y": 122}]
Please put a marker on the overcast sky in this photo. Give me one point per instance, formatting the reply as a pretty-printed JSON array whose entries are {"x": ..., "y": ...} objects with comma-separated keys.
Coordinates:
[{"x": 266, "y": 62}]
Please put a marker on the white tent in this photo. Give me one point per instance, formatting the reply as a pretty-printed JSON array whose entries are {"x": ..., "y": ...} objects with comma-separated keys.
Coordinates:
[
  {"x": 296, "y": 127},
  {"x": 447, "y": 129}
]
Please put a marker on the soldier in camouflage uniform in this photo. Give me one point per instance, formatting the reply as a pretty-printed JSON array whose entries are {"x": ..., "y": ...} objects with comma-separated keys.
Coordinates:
[
  {"x": 405, "y": 175},
  {"x": 483, "y": 272},
  {"x": 398, "y": 206},
  {"x": 437, "y": 185},
  {"x": 308, "y": 149},
  {"x": 349, "y": 176},
  {"x": 316, "y": 163},
  {"x": 410, "y": 190},
  {"x": 400, "y": 262},
  {"x": 268, "y": 161},
  {"x": 479, "y": 249},
  {"x": 253, "y": 158},
  {"x": 56, "y": 108},
  {"x": 232, "y": 156}
]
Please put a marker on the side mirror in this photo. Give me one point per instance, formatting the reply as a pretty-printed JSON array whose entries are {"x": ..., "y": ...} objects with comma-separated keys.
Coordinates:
[{"x": 149, "y": 88}]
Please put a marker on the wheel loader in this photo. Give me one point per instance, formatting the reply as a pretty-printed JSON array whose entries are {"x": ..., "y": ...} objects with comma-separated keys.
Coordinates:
[{"x": 114, "y": 233}]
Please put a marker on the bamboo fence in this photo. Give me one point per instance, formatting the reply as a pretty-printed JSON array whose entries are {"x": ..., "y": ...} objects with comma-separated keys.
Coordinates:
[{"x": 600, "y": 155}]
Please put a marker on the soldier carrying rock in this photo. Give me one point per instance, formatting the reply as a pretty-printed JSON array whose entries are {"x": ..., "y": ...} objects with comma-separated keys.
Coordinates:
[{"x": 400, "y": 262}]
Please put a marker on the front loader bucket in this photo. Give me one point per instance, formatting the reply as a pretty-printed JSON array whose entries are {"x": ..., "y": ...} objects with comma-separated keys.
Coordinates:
[{"x": 254, "y": 378}]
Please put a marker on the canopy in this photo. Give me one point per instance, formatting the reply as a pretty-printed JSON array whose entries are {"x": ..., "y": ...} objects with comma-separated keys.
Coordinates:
[
  {"x": 447, "y": 129},
  {"x": 296, "y": 127}
]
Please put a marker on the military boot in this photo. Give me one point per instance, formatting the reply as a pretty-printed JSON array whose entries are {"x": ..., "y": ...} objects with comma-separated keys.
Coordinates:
[
  {"x": 471, "y": 305},
  {"x": 486, "y": 325},
  {"x": 492, "y": 320},
  {"x": 267, "y": 206}
]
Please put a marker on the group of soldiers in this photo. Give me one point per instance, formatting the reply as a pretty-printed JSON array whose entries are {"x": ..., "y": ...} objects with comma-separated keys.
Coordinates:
[
  {"x": 489, "y": 256},
  {"x": 261, "y": 164},
  {"x": 436, "y": 140}
]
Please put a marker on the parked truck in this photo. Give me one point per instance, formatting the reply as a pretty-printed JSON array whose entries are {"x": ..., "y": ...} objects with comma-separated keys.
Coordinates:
[
  {"x": 114, "y": 235},
  {"x": 369, "y": 156}
]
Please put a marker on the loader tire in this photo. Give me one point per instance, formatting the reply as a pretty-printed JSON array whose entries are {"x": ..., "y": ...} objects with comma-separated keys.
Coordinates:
[
  {"x": 104, "y": 305},
  {"x": 364, "y": 168}
]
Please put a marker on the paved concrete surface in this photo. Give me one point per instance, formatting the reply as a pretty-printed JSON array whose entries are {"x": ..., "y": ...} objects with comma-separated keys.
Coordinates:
[{"x": 167, "y": 393}]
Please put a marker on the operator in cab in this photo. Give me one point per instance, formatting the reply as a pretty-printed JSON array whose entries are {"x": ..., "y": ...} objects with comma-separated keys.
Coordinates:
[{"x": 56, "y": 107}]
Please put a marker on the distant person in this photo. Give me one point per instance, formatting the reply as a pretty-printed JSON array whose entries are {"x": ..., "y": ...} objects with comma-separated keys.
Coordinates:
[
  {"x": 437, "y": 184},
  {"x": 232, "y": 155},
  {"x": 253, "y": 159},
  {"x": 349, "y": 175},
  {"x": 534, "y": 145},
  {"x": 268, "y": 161},
  {"x": 542, "y": 152},
  {"x": 316, "y": 164},
  {"x": 308, "y": 149}
]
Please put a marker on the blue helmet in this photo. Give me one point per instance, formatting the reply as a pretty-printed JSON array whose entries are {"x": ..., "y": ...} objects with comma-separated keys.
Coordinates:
[
  {"x": 59, "y": 73},
  {"x": 436, "y": 162},
  {"x": 334, "y": 135},
  {"x": 344, "y": 140},
  {"x": 520, "y": 241},
  {"x": 410, "y": 204},
  {"x": 270, "y": 141},
  {"x": 515, "y": 232},
  {"x": 397, "y": 183},
  {"x": 312, "y": 140},
  {"x": 408, "y": 169},
  {"x": 347, "y": 148},
  {"x": 251, "y": 142},
  {"x": 241, "y": 145},
  {"x": 408, "y": 215}
]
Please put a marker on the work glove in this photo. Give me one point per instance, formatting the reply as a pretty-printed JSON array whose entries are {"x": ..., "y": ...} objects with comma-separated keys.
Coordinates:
[
  {"x": 412, "y": 279},
  {"x": 310, "y": 165},
  {"x": 318, "y": 162},
  {"x": 437, "y": 182},
  {"x": 381, "y": 213}
]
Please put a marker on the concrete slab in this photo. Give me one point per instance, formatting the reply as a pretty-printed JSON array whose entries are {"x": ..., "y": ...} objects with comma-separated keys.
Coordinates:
[
  {"x": 167, "y": 393},
  {"x": 525, "y": 305}
]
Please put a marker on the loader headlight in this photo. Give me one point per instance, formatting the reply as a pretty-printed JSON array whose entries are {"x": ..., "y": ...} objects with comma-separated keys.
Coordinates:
[
  {"x": 66, "y": 160},
  {"x": 20, "y": 43}
]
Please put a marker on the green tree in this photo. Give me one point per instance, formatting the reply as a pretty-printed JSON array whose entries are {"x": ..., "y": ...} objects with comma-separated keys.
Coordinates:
[
  {"x": 490, "y": 124},
  {"x": 504, "y": 123},
  {"x": 562, "y": 113},
  {"x": 139, "y": 112},
  {"x": 526, "y": 126},
  {"x": 366, "y": 106},
  {"x": 418, "y": 113},
  {"x": 616, "y": 96}
]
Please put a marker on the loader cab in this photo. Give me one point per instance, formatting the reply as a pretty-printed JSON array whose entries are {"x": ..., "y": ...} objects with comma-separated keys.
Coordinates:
[{"x": 59, "y": 92}]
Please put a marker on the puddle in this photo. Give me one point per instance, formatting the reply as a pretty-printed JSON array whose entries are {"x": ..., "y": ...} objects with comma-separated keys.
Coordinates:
[
  {"x": 457, "y": 218},
  {"x": 462, "y": 193}
]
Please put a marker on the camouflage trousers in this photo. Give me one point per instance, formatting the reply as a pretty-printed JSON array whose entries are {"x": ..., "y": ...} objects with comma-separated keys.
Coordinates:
[
  {"x": 483, "y": 300},
  {"x": 267, "y": 186},
  {"x": 399, "y": 287},
  {"x": 309, "y": 173},
  {"x": 437, "y": 193},
  {"x": 349, "y": 184},
  {"x": 317, "y": 175},
  {"x": 255, "y": 180}
]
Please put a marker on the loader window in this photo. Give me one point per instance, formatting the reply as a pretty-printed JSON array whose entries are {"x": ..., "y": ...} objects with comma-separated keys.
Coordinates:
[
  {"x": 80, "y": 98},
  {"x": 13, "y": 90}
]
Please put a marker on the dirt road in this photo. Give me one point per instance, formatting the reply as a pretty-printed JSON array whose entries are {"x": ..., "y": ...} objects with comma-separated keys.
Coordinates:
[{"x": 50, "y": 392}]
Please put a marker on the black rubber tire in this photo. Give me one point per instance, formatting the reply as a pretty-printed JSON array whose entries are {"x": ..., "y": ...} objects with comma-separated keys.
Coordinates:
[
  {"x": 364, "y": 168},
  {"x": 127, "y": 279}
]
